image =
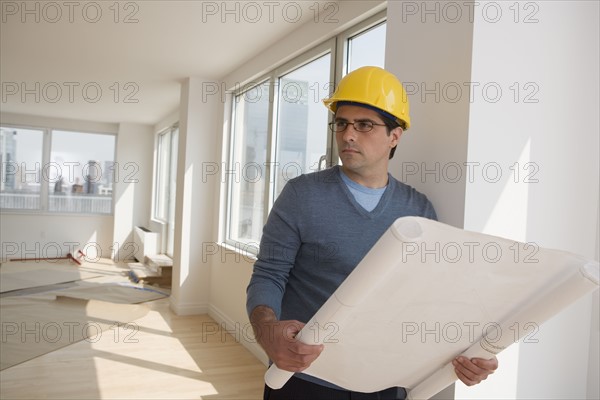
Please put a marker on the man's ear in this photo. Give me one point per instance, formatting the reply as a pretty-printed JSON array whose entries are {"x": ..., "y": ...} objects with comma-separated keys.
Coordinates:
[
  {"x": 395, "y": 135},
  {"x": 394, "y": 139}
]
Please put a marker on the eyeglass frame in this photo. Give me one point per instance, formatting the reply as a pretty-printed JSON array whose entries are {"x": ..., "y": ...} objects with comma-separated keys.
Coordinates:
[{"x": 332, "y": 125}]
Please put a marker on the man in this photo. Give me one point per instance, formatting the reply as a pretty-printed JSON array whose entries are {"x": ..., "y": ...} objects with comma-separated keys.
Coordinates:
[{"x": 323, "y": 224}]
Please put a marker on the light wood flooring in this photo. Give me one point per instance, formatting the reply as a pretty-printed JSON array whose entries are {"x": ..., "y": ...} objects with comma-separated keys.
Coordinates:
[{"x": 168, "y": 357}]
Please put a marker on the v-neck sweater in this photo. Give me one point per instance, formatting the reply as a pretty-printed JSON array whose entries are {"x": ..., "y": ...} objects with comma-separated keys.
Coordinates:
[
  {"x": 315, "y": 235},
  {"x": 367, "y": 197}
]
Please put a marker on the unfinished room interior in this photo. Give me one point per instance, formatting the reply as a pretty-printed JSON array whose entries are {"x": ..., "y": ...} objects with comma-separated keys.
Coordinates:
[{"x": 144, "y": 143}]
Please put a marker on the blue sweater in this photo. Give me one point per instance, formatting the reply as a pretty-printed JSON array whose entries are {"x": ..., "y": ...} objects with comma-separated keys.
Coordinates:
[{"x": 316, "y": 234}]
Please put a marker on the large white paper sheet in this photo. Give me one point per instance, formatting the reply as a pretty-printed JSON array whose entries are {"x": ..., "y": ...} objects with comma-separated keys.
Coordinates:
[{"x": 428, "y": 292}]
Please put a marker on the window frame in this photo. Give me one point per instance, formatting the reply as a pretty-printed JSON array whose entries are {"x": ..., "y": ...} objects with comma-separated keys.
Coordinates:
[
  {"x": 272, "y": 80},
  {"x": 156, "y": 171},
  {"x": 337, "y": 47},
  {"x": 44, "y": 161},
  {"x": 46, "y": 153},
  {"x": 327, "y": 47},
  {"x": 166, "y": 225},
  {"x": 344, "y": 37},
  {"x": 231, "y": 143}
]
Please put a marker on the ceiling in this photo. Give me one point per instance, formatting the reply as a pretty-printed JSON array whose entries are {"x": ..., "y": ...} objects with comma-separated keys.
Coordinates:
[{"x": 123, "y": 61}]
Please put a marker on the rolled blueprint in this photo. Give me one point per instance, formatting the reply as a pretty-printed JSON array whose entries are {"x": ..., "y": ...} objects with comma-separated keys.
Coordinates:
[
  {"x": 427, "y": 292},
  {"x": 354, "y": 291},
  {"x": 538, "y": 311}
]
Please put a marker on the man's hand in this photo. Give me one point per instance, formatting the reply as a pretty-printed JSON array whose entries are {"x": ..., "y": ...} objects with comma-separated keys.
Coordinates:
[
  {"x": 278, "y": 339},
  {"x": 473, "y": 371}
]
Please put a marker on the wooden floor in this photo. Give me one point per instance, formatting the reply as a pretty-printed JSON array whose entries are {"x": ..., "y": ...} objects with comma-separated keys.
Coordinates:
[{"x": 166, "y": 357}]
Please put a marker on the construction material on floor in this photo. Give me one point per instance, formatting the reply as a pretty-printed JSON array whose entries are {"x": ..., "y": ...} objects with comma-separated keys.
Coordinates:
[
  {"x": 76, "y": 257},
  {"x": 46, "y": 305},
  {"x": 27, "y": 274},
  {"x": 155, "y": 270}
]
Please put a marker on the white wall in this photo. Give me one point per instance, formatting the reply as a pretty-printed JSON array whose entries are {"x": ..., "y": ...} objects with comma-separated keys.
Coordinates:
[
  {"x": 230, "y": 274},
  {"x": 133, "y": 189},
  {"x": 558, "y": 134},
  {"x": 35, "y": 235},
  {"x": 167, "y": 121}
]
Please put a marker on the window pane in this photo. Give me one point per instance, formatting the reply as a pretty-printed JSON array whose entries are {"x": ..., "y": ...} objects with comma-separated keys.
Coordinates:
[
  {"x": 367, "y": 48},
  {"x": 302, "y": 122},
  {"x": 247, "y": 165},
  {"x": 21, "y": 160},
  {"x": 81, "y": 172},
  {"x": 172, "y": 192},
  {"x": 161, "y": 200}
]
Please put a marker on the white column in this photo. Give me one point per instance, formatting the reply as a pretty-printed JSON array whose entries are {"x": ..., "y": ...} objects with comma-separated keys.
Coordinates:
[{"x": 195, "y": 204}]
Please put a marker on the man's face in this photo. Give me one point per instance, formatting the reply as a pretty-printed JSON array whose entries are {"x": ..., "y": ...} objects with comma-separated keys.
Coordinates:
[{"x": 364, "y": 152}]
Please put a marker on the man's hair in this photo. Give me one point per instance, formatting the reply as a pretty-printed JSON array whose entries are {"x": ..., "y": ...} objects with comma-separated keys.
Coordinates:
[{"x": 391, "y": 125}]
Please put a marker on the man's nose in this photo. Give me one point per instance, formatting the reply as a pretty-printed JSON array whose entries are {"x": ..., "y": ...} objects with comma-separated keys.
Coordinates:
[{"x": 349, "y": 135}]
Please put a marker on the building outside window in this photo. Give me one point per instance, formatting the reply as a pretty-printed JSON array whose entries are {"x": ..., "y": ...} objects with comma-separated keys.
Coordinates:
[
  {"x": 82, "y": 172},
  {"x": 21, "y": 160},
  {"x": 57, "y": 171}
]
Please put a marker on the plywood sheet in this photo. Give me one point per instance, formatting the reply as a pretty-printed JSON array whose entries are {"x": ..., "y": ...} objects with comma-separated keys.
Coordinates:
[
  {"x": 41, "y": 277},
  {"x": 97, "y": 297},
  {"x": 22, "y": 275},
  {"x": 121, "y": 293}
]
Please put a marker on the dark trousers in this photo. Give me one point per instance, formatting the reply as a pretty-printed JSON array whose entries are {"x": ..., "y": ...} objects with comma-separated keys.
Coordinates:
[{"x": 299, "y": 389}]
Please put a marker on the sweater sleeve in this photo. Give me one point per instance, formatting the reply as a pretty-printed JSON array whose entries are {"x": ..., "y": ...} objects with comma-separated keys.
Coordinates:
[
  {"x": 278, "y": 248},
  {"x": 430, "y": 211}
]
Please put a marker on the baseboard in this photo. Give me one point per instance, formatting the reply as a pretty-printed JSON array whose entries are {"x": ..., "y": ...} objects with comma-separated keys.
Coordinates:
[
  {"x": 241, "y": 331},
  {"x": 188, "y": 309}
]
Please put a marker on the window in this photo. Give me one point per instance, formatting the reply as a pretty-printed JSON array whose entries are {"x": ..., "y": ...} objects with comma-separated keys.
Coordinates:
[
  {"x": 279, "y": 127},
  {"x": 165, "y": 185},
  {"x": 264, "y": 156},
  {"x": 21, "y": 160},
  {"x": 367, "y": 48},
  {"x": 301, "y": 138},
  {"x": 247, "y": 164},
  {"x": 57, "y": 171},
  {"x": 81, "y": 172},
  {"x": 172, "y": 192}
]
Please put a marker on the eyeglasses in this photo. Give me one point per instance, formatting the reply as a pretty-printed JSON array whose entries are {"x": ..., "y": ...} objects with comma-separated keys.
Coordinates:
[{"x": 359, "y": 126}]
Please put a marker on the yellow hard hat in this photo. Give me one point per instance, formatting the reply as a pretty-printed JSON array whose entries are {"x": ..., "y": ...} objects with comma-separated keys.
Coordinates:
[{"x": 374, "y": 87}]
